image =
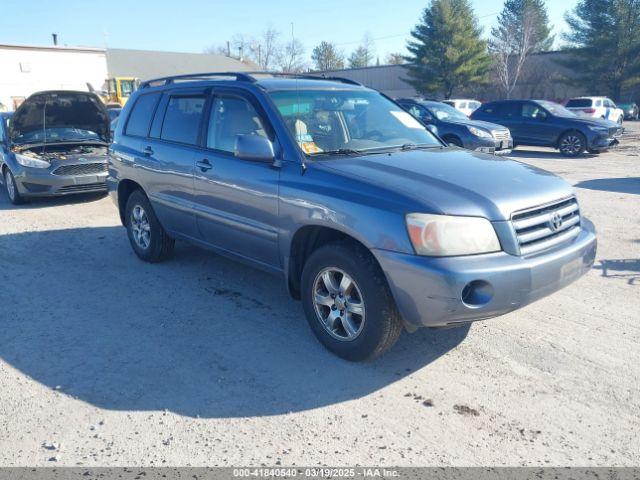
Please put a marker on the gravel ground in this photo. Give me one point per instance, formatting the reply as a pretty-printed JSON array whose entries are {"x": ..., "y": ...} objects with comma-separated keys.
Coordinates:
[{"x": 108, "y": 361}]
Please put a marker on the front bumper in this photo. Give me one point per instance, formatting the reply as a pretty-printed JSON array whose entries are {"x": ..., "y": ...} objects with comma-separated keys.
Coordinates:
[
  {"x": 603, "y": 142},
  {"x": 429, "y": 291},
  {"x": 498, "y": 147},
  {"x": 36, "y": 182}
]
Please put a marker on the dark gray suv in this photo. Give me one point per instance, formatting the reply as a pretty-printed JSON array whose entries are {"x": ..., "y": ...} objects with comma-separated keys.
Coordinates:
[{"x": 371, "y": 220}]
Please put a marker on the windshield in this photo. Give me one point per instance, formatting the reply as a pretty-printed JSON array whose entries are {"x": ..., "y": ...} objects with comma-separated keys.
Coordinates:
[
  {"x": 325, "y": 121},
  {"x": 445, "y": 112},
  {"x": 54, "y": 135},
  {"x": 557, "y": 109}
]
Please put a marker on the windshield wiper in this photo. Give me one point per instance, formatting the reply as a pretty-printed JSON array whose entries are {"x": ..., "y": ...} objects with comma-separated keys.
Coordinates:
[
  {"x": 416, "y": 146},
  {"x": 340, "y": 151}
]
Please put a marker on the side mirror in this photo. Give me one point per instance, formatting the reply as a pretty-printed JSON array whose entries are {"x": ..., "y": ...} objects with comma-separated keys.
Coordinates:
[{"x": 254, "y": 147}]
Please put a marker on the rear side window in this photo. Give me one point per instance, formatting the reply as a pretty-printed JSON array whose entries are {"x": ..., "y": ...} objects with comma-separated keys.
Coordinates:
[
  {"x": 507, "y": 109},
  {"x": 182, "y": 119},
  {"x": 140, "y": 117}
]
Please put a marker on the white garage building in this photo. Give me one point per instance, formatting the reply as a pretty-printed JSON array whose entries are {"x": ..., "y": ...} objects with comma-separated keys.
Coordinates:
[{"x": 27, "y": 69}]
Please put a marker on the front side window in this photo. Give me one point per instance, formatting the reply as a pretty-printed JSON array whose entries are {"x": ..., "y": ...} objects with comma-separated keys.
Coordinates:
[
  {"x": 330, "y": 121},
  {"x": 140, "y": 117},
  {"x": 232, "y": 116},
  {"x": 182, "y": 119}
]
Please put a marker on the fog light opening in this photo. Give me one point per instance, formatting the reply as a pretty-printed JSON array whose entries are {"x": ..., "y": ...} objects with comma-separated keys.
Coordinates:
[{"x": 477, "y": 293}]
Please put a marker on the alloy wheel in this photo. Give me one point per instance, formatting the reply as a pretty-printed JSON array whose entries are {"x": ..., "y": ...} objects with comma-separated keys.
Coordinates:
[
  {"x": 571, "y": 144},
  {"x": 11, "y": 187},
  {"x": 140, "y": 227},
  {"x": 338, "y": 304}
]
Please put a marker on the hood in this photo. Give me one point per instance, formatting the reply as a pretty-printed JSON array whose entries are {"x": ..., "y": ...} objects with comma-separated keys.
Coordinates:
[
  {"x": 456, "y": 182},
  {"x": 60, "y": 109},
  {"x": 476, "y": 123}
]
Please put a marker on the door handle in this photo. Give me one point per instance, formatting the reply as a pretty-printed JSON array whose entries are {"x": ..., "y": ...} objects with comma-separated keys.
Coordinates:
[
  {"x": 204, "y": 165},
  {"x": 148, "y": 151}
]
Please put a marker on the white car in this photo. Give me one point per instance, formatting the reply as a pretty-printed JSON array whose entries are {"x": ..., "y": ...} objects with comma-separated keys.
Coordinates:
[
  {"x": 465, "y": 105},
  {"x": 596, "y": 107}
]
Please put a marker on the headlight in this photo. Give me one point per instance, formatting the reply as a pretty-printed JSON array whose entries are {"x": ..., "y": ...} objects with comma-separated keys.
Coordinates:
[
  {"x": 443, "y": 235},
  {"x": 479, "y": 133},
  {"x": 26, "y": 161}
]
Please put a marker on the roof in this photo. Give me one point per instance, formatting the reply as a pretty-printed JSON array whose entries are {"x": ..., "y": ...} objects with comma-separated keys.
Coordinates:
[
  {"x": 62, "y": 48},
  {"x": 146, "y": 64}
]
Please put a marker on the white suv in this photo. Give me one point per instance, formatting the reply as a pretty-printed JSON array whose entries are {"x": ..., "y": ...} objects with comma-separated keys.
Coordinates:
[
  {"x": 596, "y": 107},
  {"x": 464, "y": 105}
]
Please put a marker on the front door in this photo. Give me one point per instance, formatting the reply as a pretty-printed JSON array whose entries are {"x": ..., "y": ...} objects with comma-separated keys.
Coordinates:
[
  {"x": 236, "y": 201},
  {"x": 537, "y": 126}
]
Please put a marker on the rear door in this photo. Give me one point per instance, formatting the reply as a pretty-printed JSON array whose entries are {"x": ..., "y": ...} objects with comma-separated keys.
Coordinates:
[
  {"x": 236, "y": 200},
  {"x": 168, "y": 158}
]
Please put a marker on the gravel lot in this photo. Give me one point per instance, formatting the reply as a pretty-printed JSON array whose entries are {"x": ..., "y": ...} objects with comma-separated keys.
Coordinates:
[{"x": 105, "y": 360}]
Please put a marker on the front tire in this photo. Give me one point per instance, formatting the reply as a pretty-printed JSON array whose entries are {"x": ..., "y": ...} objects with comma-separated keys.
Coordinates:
[
  {"x": 348, "y": 303},
  {"x": 148, "y": 238},
  {"x": 11, "y": 188},
  {"x": 572, "y": 144}
]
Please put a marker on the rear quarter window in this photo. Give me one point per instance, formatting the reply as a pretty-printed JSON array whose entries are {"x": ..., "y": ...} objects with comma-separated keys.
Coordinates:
[{"x": 141, "y": 115}]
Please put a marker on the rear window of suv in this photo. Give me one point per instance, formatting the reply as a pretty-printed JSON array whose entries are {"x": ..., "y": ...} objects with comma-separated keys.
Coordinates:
[
  {"x": 579, "y": 102},
  {"x": 140, "y": 117}
]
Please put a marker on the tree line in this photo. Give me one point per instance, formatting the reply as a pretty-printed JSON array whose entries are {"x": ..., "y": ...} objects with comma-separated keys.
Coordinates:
[{"x": 447, "y": 51}]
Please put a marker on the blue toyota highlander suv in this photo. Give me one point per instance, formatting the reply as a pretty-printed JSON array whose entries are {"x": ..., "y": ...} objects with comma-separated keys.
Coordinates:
[{"x": 371, "y": 220}]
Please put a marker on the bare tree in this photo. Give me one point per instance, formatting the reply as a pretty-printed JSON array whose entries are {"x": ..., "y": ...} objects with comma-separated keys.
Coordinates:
[
  {"x": 522, "y": 30},
  {"x": 363, "y": 55},
  {"x": 292, "y": 57},
  {"x": 267, "y": 49}
]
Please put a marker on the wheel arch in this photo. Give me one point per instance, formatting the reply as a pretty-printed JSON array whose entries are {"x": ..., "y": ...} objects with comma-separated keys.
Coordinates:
[
  {"x": 571, "y": 130},
  {"x": 125, "y": 188},
  {"x": 304, "y": 242}
]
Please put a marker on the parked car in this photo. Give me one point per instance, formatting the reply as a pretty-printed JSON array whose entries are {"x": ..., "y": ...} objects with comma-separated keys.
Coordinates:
[
  {"x": 466, "y": 106},
  {"x": 547, "y": 124},
  {"x": 596, "y": 107},
  {"x": 55, "y": 144},
  {"x": 371, "y": 220},
  {"x": 456, "y": 129},
  {"x": 630, "y": 110}
]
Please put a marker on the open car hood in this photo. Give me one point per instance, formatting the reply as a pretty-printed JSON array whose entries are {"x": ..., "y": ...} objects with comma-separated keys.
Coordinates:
[{"x": 60, "y": 109}]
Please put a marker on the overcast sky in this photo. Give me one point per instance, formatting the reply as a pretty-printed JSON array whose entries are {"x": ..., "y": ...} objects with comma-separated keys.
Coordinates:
[{"x": 192, "y": 25}]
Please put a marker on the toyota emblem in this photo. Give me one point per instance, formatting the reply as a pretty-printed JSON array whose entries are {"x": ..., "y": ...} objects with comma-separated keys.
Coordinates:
[{"x": 555, "y": 223}]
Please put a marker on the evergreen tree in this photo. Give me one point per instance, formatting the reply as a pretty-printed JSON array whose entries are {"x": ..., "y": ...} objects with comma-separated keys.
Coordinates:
[
  {"x": 604, "y": 41},
  {"x": 327, "y": 57},
  {"x": 447, "y": 51}
]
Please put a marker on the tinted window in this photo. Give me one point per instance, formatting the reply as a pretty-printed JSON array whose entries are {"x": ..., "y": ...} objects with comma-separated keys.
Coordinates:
[
  {"x": 506, "y": 109},
  {"x": 182, "y": 119},
  {"x": 140, "y": 117},
  {"x": 230, "y": 117},
  {"x": 2, "y": 129},
  {"x": 579, "y": 103}
]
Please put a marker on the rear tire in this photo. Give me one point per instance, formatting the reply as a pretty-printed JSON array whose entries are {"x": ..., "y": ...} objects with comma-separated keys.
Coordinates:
[
  {"x": 348, "y": 303},
  {"x": 148, "y": 238},
  {"x": 572, "y": 144},
  {"x": 11, "y": 188}
]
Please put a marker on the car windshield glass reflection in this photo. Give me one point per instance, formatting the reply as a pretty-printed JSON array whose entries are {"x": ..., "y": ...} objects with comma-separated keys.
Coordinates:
[
  {"x": 53, "y": 135},
  {"x": 446, "y": 113},
  {"x": 557, "y": 109},
  {"x": 348, "y": 121}
]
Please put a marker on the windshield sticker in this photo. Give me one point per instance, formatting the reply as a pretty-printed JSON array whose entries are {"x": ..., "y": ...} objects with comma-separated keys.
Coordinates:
[
  {"x": 310, "y": 147},
  {"x": 406, "y": 119}
]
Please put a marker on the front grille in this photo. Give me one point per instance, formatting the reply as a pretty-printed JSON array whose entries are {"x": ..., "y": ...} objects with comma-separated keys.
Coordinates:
[
  {"x": 501, "y": 135},
  {"x": 548, "y": 226},
  {"x": 81, "y": 169},
  {"x": 615, "y": 131},
  {"x": 89, "y": 187}
]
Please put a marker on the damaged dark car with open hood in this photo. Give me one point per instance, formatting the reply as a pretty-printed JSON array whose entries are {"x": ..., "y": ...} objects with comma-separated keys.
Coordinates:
[{"x": 56, "y": 143}]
